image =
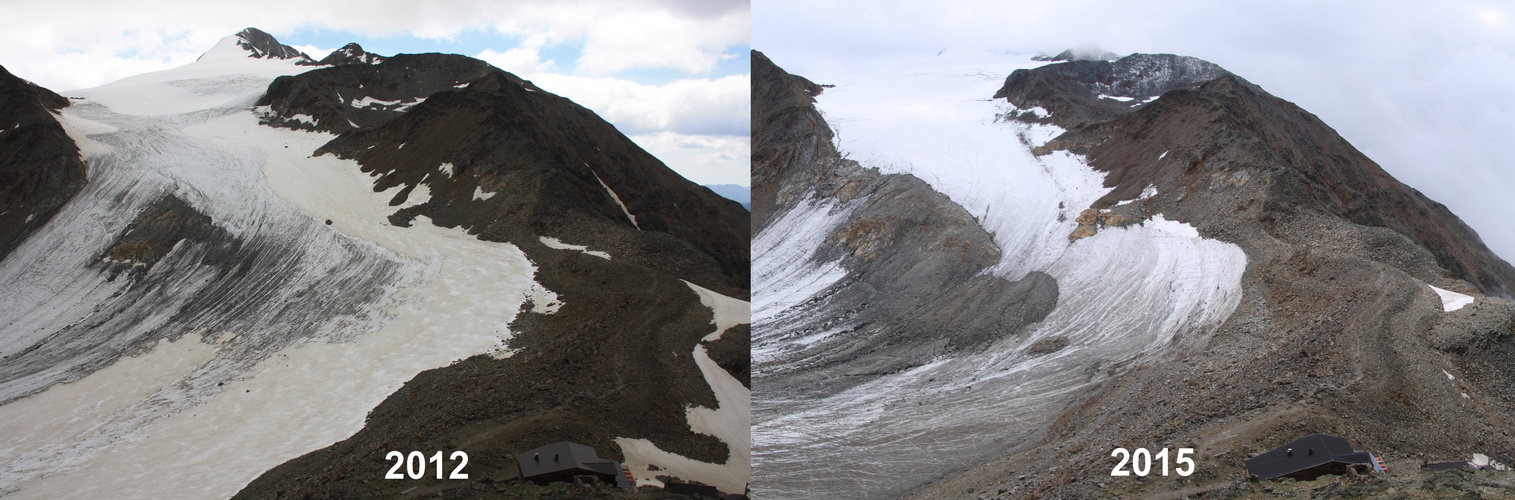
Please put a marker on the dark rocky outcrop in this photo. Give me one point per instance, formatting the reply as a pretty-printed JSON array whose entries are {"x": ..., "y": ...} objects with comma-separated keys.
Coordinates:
[
  {"x": 351, "y": 53},
  {"x": 264, "y": 46},
  {"x": 40, "y": 166},
  {"x": 1071, "y": 91},
  {"x": 350, "y": 96},
  {"x": 598, "y": 369},
  {"x": 155, "y": 233},
  {"x": 1215, "y": 131},
  {"x": 511, "y": 162},
  {"x": 913, "y": 289},
  {"x": 733, "y": 352}
]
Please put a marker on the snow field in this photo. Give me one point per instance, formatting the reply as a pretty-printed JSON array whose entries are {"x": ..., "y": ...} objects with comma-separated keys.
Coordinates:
[
  {"x": 1450, "y": 300},
  {"x": 731, "y": 422},
  {"x": 192, "y": 419}
]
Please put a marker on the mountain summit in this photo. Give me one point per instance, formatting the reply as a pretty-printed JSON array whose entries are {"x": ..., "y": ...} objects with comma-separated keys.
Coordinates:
[{"x": 264, "y": 46}]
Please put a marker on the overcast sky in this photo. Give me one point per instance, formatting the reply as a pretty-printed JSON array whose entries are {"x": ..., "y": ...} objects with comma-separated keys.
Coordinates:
[
  {"x": 671, "y": 74},
  {"x": 1426, "y": 89}
]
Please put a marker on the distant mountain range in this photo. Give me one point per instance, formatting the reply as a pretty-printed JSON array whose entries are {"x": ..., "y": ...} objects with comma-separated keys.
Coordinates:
[{"x": 733, "y": 192}]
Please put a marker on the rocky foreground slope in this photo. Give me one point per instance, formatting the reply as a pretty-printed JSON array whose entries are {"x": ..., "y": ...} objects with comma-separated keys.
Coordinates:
[
  {"x": 407, "y": 253},
  {"x": 1330, "y": 322}
]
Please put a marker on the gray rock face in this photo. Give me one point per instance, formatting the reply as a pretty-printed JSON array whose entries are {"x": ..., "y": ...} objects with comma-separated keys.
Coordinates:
[
  {"x": 351, "y": 53},
  {"x": 1071, "y": 91},
  {"x": 913, "y": 289},
  {"x": 264, "y": 46}
]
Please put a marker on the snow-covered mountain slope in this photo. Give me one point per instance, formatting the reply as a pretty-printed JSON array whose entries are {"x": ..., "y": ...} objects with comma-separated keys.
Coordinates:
[
  {"x": 1183, "y": 269},
  {"x": 222, "y": 297}
]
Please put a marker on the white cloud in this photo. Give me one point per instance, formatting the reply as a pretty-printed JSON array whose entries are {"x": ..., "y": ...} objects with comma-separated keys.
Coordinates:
[
  {"x": 698, "y": 127},
  {"x": 313, "y": 51},
  {"x": 659, "y": 39},
  {"x": 520, "y": 60},
  {"x": 718, "y": 106},
  {"x": 97, "y": 42},
  {"x": 702, "y": 159},
  {"x": 72, "y": 44}
]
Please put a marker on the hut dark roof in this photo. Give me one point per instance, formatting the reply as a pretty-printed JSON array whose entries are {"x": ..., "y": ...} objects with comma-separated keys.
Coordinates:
[
  {"x": 563, "y": 459},
  {"x": 1317, "y": 453}
]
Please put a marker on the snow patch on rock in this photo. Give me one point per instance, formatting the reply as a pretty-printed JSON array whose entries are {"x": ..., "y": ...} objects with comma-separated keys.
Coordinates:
[
  {"x": 1450, "y": 300},
  {"x": 554, "y": 243},
  {"x": 730, "y": 421},
  {"x": 617, "y": 199},
  {"x": 480, "y": 195}
]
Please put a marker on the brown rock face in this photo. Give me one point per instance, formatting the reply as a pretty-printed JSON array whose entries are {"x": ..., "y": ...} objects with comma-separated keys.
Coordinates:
[
  {"x": 519, "y": 162},
  {"x": 613, "y": 362},
  {"x": 511, "y": 163},
  {"x": 40, "y": 167},
  {"x": 154, "y": 234},
  {"x": 1217, "y": 135}
]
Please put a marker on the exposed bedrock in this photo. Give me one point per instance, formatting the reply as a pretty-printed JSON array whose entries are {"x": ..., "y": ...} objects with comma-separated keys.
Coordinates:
[
  {"x": 500, "y": 157},
  {"x": 40, "y": 166},
  {"x": 509, "y": 162}
]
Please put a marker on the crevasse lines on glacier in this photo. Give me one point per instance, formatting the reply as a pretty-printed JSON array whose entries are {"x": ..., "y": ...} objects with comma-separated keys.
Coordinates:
[
  {"x": 1124, "y": 293},
  {"x": 262, "y": 277}
]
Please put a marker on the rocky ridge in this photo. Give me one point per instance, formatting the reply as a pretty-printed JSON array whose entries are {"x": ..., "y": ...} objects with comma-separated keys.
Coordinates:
[
  {"x": 40, "y": 168},
  {"x": 265, "y": 46},
  {"x": 507, "y": 160}
]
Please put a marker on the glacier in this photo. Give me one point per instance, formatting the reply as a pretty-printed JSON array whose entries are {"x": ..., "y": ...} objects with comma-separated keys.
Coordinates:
[
  {"x": 210, "y": 380},
  {"x": 1126, "y": 295}
]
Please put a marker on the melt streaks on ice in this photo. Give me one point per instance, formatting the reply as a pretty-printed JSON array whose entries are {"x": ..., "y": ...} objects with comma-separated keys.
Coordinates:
[
  {"x": 787, "y": 274},
  {"x": 1124, "y": 293},
  {"x": 281, "y": 358}
]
